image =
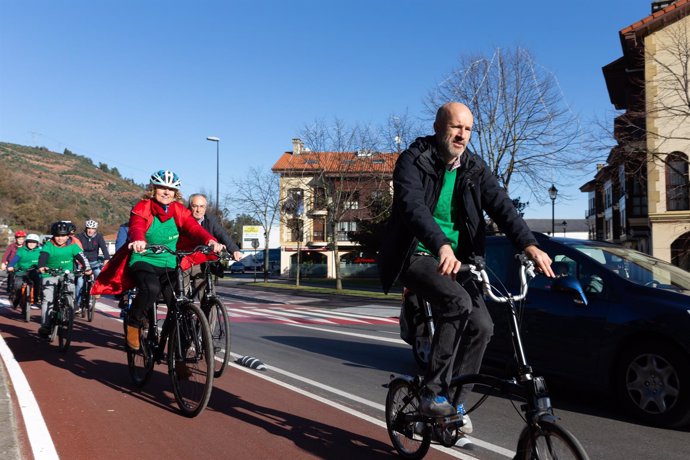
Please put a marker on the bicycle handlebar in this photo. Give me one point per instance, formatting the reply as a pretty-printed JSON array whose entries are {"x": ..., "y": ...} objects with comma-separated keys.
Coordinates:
[
  {"x": 478, "y": 270},
  {"x": 159, "y": 249}
]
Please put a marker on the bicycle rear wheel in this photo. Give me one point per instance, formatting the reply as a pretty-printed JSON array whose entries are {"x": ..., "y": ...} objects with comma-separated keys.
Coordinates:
[
  {"x": 190, "y": 359},
  {"x": 65, "y": 321},
  {"x": 547, "y": 440},
  {"x": 411, "y": 439},
  {"x": 219, "y": 323}
]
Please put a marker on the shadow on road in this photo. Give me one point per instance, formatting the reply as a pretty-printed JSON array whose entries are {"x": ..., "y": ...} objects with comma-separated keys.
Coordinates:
[{"x": 316, "y": 438}]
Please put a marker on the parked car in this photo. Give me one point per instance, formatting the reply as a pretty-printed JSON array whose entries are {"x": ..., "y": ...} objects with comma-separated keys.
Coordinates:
[
  {"x": 237, "y": 267},
  {"x": 632, "y": 337}
]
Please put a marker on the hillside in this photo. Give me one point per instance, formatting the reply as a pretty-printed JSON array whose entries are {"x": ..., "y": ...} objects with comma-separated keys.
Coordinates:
[{"x": 38, "y": 187}]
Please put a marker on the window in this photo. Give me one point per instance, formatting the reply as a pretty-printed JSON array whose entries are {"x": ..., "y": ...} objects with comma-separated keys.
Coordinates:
[
  {"x": 343, "y": 228},
  {"x": 294, "y": 203},
  {"x": 352, "y": 201},
  {"x": 296, "y": 229},
  {"x": 677, "y": 198},
  {"x": 319, "y": 198}
]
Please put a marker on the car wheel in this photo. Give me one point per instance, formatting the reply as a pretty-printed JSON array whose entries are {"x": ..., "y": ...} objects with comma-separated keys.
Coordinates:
[{"x": 652, "y": 380}]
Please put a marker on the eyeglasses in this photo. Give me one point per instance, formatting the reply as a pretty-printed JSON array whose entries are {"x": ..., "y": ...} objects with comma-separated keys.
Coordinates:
[{"x": 199, "y": 206}]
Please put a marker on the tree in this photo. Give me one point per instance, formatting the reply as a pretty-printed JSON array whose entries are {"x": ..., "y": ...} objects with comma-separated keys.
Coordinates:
[
  {"x": 258, "y": 194},
  {"x": 523, "y": 127},
  {"x": 371, "y": 230}
]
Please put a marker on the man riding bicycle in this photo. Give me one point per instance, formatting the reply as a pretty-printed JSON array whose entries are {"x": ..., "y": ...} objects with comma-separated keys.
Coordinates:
[
  {"x": 91, "y": 241},
  {"x": 437, "y": 221}
]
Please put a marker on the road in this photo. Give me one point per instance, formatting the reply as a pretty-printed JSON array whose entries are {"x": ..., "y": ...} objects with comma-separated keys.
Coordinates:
[{"x": 321, "y": 395}]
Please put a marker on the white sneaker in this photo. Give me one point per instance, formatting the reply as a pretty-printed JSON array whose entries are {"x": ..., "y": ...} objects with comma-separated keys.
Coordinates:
[{"x": 466, "y": 424}]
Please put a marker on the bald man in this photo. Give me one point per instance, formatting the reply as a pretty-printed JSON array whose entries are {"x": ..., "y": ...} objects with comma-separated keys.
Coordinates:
[{"x": 441, "y": 191}]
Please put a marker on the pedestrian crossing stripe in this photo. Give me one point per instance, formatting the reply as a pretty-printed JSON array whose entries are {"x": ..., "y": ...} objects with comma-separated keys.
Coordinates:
[{"x": 279, "y": 313}]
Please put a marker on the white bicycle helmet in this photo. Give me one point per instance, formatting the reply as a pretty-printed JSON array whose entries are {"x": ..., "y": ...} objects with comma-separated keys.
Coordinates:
[
  {"x": 165, "y": 178},
  {"x": 91, "y": 224},
  {"x": 33, "y": 237}
]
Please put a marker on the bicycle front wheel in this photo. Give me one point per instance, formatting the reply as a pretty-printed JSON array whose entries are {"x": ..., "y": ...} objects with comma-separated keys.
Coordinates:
[
  {"x": 90, "y": 308},
  {"x": 65, "y": 322},
  {"x": 546, "y": 440},
  {"x": 219, "y": 323},
  {"x": 26, "y": 302},
  {"x": 190, "y": 359},
  {"x": 140, "y": 362},
  {"x": 409, "y": 437}
]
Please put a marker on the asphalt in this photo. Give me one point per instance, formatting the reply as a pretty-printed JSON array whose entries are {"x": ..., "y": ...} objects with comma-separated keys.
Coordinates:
[{"x": 10, "y": 448}]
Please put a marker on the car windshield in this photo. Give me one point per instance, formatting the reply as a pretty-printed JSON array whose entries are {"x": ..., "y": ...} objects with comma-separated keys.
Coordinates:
[{"x": 638, "y": 267}]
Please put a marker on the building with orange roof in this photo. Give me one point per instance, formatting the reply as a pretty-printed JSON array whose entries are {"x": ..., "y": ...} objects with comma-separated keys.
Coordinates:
[
  {"x": 641, "y": 197},
  {"x": 324, "y": 195}
]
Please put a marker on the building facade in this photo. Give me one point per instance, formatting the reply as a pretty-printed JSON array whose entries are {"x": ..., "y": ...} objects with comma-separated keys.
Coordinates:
[
  {"x": 324, "y": 196},
  {"x": 641, "y": 197}
]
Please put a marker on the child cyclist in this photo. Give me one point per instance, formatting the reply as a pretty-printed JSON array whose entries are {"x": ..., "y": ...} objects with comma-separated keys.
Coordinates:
[
  {"x": 24, "y": 264},
  {"x": 57, "y": 253}
]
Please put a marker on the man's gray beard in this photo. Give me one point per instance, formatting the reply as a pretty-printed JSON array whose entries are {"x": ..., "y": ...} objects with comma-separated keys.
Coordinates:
[{"x": 445, "y": 152}]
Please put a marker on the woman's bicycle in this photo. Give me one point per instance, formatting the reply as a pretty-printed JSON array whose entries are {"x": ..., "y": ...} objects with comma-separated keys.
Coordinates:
[
  {"x": 28, "y": 292},
  {"x": 60, "y": 318},
  {"x": 189, "y": 355},
  {"x": 542, "y": 438},
  {"x": 215, "y": 312}
]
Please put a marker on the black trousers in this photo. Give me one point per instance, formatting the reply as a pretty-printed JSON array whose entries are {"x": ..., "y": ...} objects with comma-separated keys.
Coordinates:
[
  {"x": 151, "y": 281},
  {"x": 463, "y": 323}
]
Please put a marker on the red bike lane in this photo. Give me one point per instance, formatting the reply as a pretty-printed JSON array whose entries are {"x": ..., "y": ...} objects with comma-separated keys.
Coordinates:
[{"x": 92, "y": 409}]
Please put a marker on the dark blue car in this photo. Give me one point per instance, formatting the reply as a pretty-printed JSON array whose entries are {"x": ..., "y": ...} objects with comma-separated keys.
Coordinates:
[{"x": 632, "y": 337}]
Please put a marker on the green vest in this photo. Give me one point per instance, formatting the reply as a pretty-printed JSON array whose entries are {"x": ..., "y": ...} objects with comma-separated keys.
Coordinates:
[
  {"x": 61, "y": 257},
  {"x": 159, "y": 233},
  {"x": 445, "y": 213},
  {"x": 26, "y": 258}
]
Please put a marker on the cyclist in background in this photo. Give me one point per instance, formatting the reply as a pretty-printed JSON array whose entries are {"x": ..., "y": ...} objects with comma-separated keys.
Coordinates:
[
  {"x": 10, "y": 252},
  {"x": 24, "y": 264},
  {"x": 91, "y": 241},
  {"x": 122, "y": 236},
  {"x": 58, "y": 253},
  {"x": 198, "y": 204}
]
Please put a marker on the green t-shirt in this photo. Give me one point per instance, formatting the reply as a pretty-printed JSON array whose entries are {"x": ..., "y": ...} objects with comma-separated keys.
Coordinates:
[
  {"x": 26, "y": 258},
  {"x": 445, "y": 213},
  {"x": 61, "y": 257},
  {"x": 159, "y": 233}
]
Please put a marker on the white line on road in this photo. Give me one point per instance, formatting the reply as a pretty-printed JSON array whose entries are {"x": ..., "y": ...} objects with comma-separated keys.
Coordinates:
[
  {"x": 39, "y": 437},
  {"x": 335, "y": 405},
  {"x": 454, "y": 453}
]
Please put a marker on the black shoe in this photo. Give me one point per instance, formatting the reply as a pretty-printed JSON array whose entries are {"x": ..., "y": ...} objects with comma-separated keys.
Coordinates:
[{"x": 436, "y": 406}]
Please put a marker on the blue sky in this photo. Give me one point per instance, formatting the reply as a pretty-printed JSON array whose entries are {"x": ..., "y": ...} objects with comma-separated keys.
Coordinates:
[{"x": 139, "y": 85}]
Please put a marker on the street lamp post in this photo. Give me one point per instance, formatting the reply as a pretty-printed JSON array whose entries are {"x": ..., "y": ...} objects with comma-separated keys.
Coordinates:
[
  {"x": 564, "y": 224},
  {"x": 217, "y": 141},
  {"x": 553, "y": 193}
]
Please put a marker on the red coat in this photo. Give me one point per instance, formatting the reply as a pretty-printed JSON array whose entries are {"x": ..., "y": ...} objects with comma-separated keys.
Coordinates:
[{"x": 115, "y": 278}]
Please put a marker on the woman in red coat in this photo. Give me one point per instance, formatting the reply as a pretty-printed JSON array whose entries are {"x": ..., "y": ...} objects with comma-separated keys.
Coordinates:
[{"x": 158, "y": 219}]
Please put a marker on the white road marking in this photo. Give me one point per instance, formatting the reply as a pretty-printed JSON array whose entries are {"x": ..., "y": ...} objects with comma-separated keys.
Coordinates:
[{"x": 42, "y": 445}]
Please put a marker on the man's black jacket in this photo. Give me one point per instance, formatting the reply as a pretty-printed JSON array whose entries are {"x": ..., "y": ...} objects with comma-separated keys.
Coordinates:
[
  {"x": 213, "y": 226},
  {"x": 417, "y": 181}
]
